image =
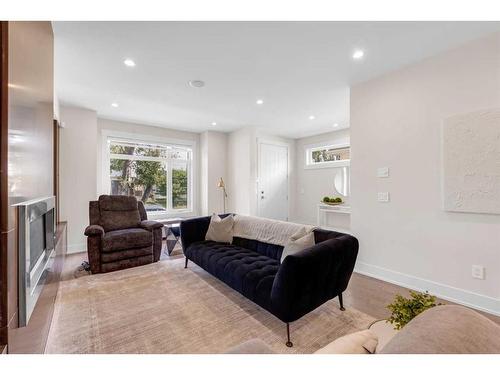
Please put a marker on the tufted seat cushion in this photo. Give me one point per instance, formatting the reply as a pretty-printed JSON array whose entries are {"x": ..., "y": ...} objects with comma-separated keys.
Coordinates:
[
  {"x": 247, "y": 271},
  {"x": 126, "y": 239}
]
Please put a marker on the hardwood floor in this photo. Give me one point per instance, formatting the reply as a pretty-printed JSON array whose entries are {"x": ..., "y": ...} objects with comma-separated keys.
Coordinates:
[
  {"x": 371, "y": 296},
  {"x": 364, "y": 293}
]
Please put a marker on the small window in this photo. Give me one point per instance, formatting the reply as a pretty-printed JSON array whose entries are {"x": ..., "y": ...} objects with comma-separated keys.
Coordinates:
[{"x": 328, "y": 155}]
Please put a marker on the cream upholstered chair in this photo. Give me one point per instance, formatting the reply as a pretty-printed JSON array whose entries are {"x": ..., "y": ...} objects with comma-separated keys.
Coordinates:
[{"x": 447, "y": 329}]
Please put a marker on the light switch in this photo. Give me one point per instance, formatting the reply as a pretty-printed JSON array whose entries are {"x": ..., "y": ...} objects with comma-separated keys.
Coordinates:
[
  {"x": 383, "y": 172},
  {"x": 383, "y": 197},
  {"x": 478, "y": 272}
]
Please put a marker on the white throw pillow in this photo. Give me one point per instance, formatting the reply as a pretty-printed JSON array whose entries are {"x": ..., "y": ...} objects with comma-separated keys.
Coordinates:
[
  {"x": 297, "y": 244},
  {"x": 220, "y": 230}
]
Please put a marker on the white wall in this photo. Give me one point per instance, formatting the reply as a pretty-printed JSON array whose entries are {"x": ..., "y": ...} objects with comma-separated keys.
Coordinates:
[
  {"x": 313, "y": 184},
  {"x": 396, "y": 122},
  {"x": 78, "y": 175},
  {"x": 213, "y": 147},
  {"x": 239, "y": 171}
]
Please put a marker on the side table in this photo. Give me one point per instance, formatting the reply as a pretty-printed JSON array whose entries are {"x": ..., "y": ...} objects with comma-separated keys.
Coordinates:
[{"x": 171, "y": 233}]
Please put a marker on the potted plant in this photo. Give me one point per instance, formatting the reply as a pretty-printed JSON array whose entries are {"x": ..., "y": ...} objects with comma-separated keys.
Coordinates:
[{"x": 405, "y": 309}]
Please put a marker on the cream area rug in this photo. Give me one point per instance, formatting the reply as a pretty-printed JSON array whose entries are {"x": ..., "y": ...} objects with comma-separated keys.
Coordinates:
[{"x": 164, "y": 308}]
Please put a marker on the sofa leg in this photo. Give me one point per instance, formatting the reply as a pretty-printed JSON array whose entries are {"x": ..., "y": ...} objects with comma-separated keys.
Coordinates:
[
  {"x": 288, "y": 343},
  {"x": 341, "y": 301},
  {"x": 186, "y": 264}
]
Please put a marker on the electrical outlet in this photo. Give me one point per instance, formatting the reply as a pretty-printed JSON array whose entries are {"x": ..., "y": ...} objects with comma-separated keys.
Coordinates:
[
  {"x": 383, "y": 197},
  {"x": 478, "y": 272},
  {"x": 383, "y": 172}
]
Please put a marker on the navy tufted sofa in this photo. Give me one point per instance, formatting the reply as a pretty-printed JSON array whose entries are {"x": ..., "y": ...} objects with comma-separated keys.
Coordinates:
[{"x": 289, "y": 290}]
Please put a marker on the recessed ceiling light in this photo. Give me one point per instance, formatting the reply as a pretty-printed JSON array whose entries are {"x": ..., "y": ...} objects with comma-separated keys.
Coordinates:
[
  {"x": 196, "y": 83},
  {"x": 259, "y": 101},
  {"x": 214, "y": 123},
  {"x": 335, "y": 125},
  {"x": 129, "y": 62},
  {"x": 311, "y": 117},
  {"x": 114, "y": 105},
  {"x": 358, "y": 54}
]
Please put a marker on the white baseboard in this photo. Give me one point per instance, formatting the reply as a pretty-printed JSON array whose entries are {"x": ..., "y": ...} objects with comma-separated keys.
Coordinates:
[
  {"x": 77, "y": 248},
  {"x": 450, "y": 293}
]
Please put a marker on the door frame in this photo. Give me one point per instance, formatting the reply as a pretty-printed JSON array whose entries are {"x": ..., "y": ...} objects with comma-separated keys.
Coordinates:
[{"x": 272, "y": 142}]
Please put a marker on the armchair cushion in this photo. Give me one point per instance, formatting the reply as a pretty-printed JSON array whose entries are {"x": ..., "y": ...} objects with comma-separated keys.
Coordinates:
[
  {"x": 94, "y": 230},
  {"x": 150, "y": 225},
  {"x": 126, "y": 239},
  {"x": 119, "y": 212}
]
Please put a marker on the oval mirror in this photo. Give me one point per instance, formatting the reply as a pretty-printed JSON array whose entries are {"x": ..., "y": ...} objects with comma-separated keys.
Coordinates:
[{"x": 342, "y": 181}]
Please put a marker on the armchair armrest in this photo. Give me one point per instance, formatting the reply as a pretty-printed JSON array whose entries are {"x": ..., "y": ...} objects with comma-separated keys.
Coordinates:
[
  {"x": 150, "y": 225},
  {"x": 94, "y": 230},
  {"x": 313, "y": 276}
]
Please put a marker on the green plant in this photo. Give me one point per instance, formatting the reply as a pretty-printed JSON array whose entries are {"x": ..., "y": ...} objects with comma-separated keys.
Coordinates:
[
  {"x": 338, "y": 200},
  {"x": 326, "y": 199},
  {"x": 405, "y": 309}
]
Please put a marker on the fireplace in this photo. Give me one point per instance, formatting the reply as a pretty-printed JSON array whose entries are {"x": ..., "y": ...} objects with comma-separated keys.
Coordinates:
[{"x": 36, "y": 251}]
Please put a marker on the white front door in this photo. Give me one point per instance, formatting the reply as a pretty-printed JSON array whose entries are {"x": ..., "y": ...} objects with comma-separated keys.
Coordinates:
[{"x": 273, "y": 181}]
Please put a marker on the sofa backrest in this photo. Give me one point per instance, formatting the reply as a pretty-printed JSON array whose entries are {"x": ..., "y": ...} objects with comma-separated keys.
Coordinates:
[
  {"x": 265, "y": 230},
  {"x": 193, "y": 230},
  {"x": 321, "y": 235},
  {"x": 114, "y": 212},
  {"x": 267, "y": 249}
]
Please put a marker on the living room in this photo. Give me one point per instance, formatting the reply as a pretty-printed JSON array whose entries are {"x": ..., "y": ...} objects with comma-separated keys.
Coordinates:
[{"x": 250, "y": 187}]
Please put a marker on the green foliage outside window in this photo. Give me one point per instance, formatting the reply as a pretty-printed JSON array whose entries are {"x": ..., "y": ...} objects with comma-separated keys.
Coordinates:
[{"x": 147, "y": 180}]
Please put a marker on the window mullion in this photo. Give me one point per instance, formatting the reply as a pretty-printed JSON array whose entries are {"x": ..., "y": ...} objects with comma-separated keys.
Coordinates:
[{"x": 169, "y": 184}]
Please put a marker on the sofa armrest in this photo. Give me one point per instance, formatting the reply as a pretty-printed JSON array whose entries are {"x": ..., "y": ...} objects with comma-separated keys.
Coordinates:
[
  {"x": 150, "y": 225},
  {"x": 313, "y": 276},
  {"x": 193, "y": 230},
  {"x": 94, "y": 230}
]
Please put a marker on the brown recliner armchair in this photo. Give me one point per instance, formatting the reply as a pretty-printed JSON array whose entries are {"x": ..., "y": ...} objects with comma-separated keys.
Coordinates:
[{"x": 120, "y": 236}]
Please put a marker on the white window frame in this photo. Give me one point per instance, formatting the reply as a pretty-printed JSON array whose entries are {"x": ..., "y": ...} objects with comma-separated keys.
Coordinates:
[
  {"x": 309, "y": 149},
  {"x": 190, "y": 166}
]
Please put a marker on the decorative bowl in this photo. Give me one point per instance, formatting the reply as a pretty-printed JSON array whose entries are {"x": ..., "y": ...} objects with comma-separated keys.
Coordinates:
[{"x": 332, "y": 203}]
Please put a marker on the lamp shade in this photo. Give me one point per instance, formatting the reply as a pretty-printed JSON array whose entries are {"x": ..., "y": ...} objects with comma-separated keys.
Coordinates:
[{"x": 221, "y": 183}]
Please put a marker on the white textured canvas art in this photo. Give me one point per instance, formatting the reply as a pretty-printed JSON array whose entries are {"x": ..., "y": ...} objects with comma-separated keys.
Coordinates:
[{"x": 471, "y": 162}]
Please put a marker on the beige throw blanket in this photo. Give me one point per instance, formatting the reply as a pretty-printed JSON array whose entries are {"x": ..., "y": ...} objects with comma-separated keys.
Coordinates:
[{"x": 266, "y": 230}]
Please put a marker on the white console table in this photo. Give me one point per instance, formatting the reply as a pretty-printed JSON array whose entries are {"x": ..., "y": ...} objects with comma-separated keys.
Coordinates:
[{"x": 336, "y": 218}]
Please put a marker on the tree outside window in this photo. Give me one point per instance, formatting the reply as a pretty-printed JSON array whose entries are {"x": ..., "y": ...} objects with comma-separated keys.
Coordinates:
[{"x": 143, "y": 171}]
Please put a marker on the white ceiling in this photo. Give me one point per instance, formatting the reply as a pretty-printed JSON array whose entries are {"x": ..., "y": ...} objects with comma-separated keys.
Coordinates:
[{"x": 298, "y": 68}]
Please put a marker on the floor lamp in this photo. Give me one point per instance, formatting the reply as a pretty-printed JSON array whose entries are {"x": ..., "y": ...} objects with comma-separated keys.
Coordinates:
[{"x": 224, "y": 194}]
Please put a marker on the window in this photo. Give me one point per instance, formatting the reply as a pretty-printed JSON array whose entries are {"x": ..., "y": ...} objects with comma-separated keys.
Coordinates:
[
  {"x": 158, "y": 175},
  {"x": 328, "y": 156}
]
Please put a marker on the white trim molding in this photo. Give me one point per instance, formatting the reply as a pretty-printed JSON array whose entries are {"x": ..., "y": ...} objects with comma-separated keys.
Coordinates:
[{"x": 461, "y": 296}]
